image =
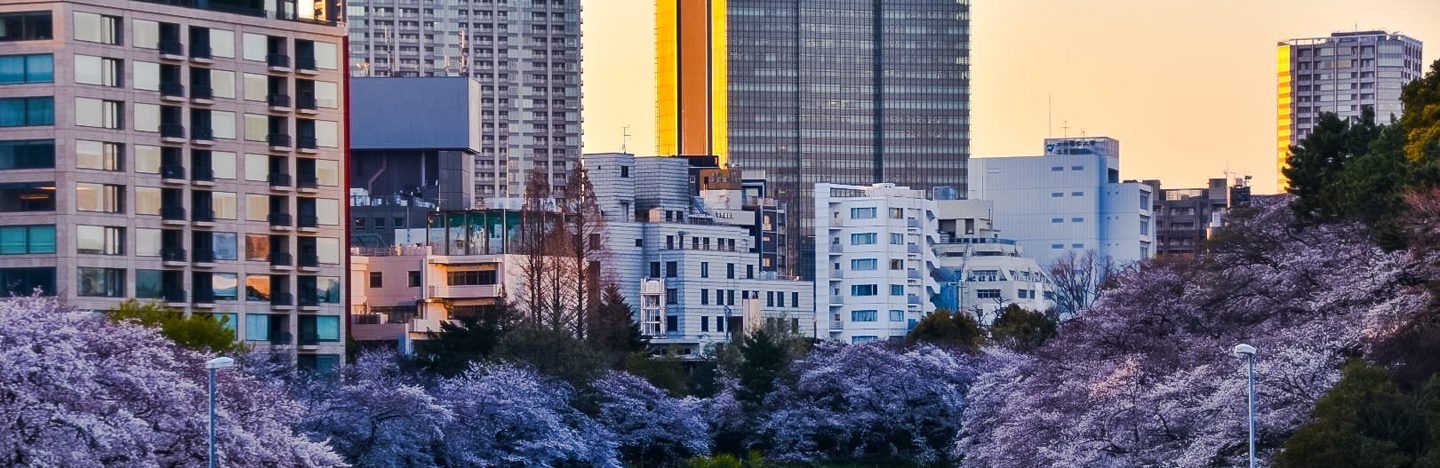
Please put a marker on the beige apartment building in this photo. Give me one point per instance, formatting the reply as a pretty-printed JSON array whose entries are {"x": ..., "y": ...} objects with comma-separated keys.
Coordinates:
[{"x": 182, "y": 151}]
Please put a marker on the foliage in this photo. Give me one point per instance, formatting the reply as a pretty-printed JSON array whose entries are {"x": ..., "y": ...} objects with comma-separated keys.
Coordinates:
[
  {"x": 83, "y": 392},
  {"x": 1146, "y": 378},
  {"x": 1315, "y": 165},
  {"x": 1080, "y": 278},
  {"x": 651, "y": 428},
  {"x": 554, "y": 353},
  {"x": 869, "y": 401},
  {"x": 665, "y": 371},
  {"x": 456, "y": 346},
  {"x": 199, "y": 332},
  {"x": 1422, "y": 115},
  {"x": 725, "y": 460},
  {"x": 1365, "y": 421},
  {"x": 613, "y": 330},
  {"x": 764, "y": 355},
  {"x": 514, "y": 417},
  {"x": 942, "y": 328},
  {"x": 375, "y": 415},
  {"x": 1022, "y": 330}
]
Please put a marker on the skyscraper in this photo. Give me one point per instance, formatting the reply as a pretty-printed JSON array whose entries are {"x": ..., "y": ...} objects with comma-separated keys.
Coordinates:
[
  {"x": 837, "y": 91},
  {"x": 1342, "y": 74},
  {"x": 146, "y": 152},
  {"x": 526, "y": 56}
]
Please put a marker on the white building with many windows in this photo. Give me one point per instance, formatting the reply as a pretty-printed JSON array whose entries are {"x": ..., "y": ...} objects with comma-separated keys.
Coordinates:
[
  {"x": 1069, "y": 199},
  {"x": 873, "y": 260},
  {"x": 980, "y": 272}
]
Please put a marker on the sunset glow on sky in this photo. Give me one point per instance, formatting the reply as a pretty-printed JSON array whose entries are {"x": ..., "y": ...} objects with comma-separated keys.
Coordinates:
[{"x": 1187, "y": 87}]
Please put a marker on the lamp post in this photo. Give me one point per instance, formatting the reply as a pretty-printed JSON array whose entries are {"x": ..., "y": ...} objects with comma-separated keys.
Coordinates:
[
  {"x": 1247, "y": 351},
  {"x": 211, "y": 366}
]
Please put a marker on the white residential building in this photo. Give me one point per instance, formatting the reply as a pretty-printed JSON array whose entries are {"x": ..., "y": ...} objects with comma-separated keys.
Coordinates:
[
  {"x": 1069, "y": 199},
  {"x": 873, "y": 259},
  {"x": 980, "y": 272},
  {"x": 662, "y": 235}
]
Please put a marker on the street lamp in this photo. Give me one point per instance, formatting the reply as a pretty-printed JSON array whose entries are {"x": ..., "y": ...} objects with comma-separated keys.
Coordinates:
[
  {"x": 211, "y": 366},
  {"x": 1247, "y": 351}
]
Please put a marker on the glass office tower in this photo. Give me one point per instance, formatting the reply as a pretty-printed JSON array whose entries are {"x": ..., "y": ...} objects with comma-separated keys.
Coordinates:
[{"x": 836, "y": 91}]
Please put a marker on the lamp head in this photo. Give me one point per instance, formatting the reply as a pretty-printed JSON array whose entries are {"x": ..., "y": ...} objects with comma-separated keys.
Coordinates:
[
  {"x": 1243, "y": 350},
  {"x": 220, "y": 363}
]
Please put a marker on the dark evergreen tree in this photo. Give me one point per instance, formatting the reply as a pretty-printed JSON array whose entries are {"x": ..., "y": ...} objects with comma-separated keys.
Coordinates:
[
  {"x": 1022, "y": 330},
  {"x": 942, "y": 328},
  {"x": 1365, "y": 421},
  {"x": 613, "y": 330},
  {"x": 764, "y": 356},
  {"x": 450, "y": 351}
]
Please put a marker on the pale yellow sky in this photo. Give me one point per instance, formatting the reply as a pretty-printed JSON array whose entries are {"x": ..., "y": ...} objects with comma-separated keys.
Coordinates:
[{"x": 1188, "y": 87}]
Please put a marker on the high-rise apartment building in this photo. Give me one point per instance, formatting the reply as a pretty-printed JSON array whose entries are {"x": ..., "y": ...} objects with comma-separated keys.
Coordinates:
[
  {"x": 1341, "y": 74},
  {"x": 185, "y": 152},
  {"x": 811, "y": 91},
  {"x": 524, "y": 53}
]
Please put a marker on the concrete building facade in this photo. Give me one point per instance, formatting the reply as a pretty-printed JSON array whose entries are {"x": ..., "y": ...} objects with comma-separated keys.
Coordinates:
[
  {"x": 524, "y": 54},
  {"x": 1069, "y": 199},
  {"x": 874, "y": 282},
  {"x": 1343, "y": 74},
  {"x": 980, "y": 272},
  {"x": 185, "y": 152},
  {"x": 1186, "y": 217}
]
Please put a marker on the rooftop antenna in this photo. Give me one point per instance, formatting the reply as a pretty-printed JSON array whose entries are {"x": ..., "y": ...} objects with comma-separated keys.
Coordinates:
[
  {"x": 1065, "y": 129},
  {"x": 624, "y": 138}
]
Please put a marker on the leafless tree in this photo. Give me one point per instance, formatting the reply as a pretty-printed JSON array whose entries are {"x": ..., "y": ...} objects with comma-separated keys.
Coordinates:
[
  {"x": 585, "y": 228},
  {"x": 1079, "y": 280},
  {"x": 560, "y": 242}
]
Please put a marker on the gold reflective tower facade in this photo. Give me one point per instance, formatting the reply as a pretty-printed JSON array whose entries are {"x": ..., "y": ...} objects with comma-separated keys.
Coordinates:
[{"x": 690, "y": 54}]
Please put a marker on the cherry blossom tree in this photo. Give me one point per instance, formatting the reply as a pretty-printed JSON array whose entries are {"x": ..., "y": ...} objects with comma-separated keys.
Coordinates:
[
  {"x": 375, "y": 415},
  {"x": 77, "y": 391},
  {"x": 651, "y": 428}
]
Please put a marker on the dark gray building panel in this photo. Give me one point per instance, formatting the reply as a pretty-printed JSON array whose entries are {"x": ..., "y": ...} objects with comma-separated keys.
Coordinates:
[{"x": 394, "y": 113}]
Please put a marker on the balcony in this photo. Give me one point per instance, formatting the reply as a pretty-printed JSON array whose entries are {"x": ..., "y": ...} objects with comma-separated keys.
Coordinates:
[
  {"x": 202, "y": 175},
  {"x": 204, "y": 258},
  {"x": 305, "y": 64},
  {"x": 837, "y": 325},
  {"x": 279, "y": 102},
  {"x": 308, "y": 144},
  {"x": 172, "y": 173},
  {"x": 306, "y": 105},
  {"x": 173, "y": 295},
  {"x": 172, "y": 214},
  {"x": 281, "y": 261},
  {"x": 280, "y": 338},
  {"x": 204, "y": 299},
  {"x": 279, "y": 181},
  {"x": 200, "y": 54},
  {"x": 172, "y": 50},
  {"x": 203, "y": 217},
  {"x": 172, "y": 133},
  {"x": 912, "y": 299},
  {"x": 281, "y": 221},
  {"x": 837, "y": 249},
  {"x": 202, "y": 136},
  {"x": 307, "y": 183},
  {"x": 279, "y": 142},
  {"x": 309, "y": 261},
  {"x": 837, "y": 300},
  {"x": 173, "y": 256},
  {"x": 912, "y": 223},
  {"x": 913, "y": 274},
  {"x": 278, "y": 62},
  {"x": 309, "y": 301},
  {"x": 836, "y": 274},
  {"x": 463, "y": 292},
  {"x": 202, "y": 95},
  {"x": 171, "y": 91},
  {"x": 308, "y": 223},
  {"x": 912, "y": 248},
  {"x": 282, "y": 300}
]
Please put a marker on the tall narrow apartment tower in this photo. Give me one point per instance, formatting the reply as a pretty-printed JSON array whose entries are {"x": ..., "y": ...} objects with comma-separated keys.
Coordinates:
[{"x": 1341, "y": 74}]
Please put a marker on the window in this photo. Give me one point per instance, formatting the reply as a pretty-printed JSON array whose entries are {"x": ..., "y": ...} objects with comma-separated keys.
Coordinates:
[
  {"x": 897, "y": 264},
  {"x": 257, "y": 167},
  {"x": 222, "y": 164},
  {"x": 862, "y": 213},
  {"x": 469, "y": 278},
  {"x": 101, "y": 282},
  {"x": 27, "y": 112},
  {"x": 253, "y": 47},
  {"x": 897, "y": 213},
  {"x": 328, "y": 210},
  {"x": 99, "y": 113},
  {"x": 224, "y": 286},
  {"x": 704, "y": 297},
  {"x": 257, "y": 87},
  {"x": 224, "y": 204},
  {"x": 257, "y": 327},
  {"x": 1057, "y": 194},
  {"x": 862, "y": 238},
  {"x": 864, "y": 290},
  {"x": 864, "y": 264},
  {"x": 109, "y": 72},
  {"x": 99, "y": 198},
  {"x": 1077, "y": 194},
  {"x": 36, "y": 68},
  {"x": 149, "y": 284},
  {"x": 99, "y": 155},
  {"x": 377, "y": 279},
  {"x": 672, "y": 269},
  {"x": 704, "y": 269},
  {"x": 781, "y": 302},
  {"x": 319, "y": 328},
  {"x": 987, "y": 293},
  {"x": 897, "y": 290},
  {"x": 148, "y": 201},
  {"x": 897, "y": 239},
  {"x": 327, "y": 134},
  {"x": 148, "y": 117},
  {"x": 897, "y": 316},
  {"x": 148, "y": 242},
  {"x": 24, "y": 281},
  {"x": 25, "y": 26},
  {"x": 16, "y": 240},
  {"x": 222, "y": 43},
  {"x": 704, "y": 324},
  {"x": 672, "y": 296},
  {"x": 222, "y": 124},
  {"x": 226, "y": 245},
  {"x": 147, "y": 159},
  {"x": 730, "y": 270},
  {"x": 1144, "y": 225},
  {"x": 257, "y": 288},
  {"x": 257, "y": 207},
  {"x": 145, "y": 34},
  {"x": 327, "y": 173},
  {"x": 672, "y": 323},
  {"x": 90, "y": 27},
  {"x": 327, "y": 94},
  {"x": 101, "y": 240},
  {"x": 1057, "y": 220},
  {"x": 1077, "y": 220},
  {"x": 749, "y": 271},
  {"x": 1077, "y": 168},
  {"x": 794, "y": 299},
  {"x": 222, "y": 84},
  {"x": 27, "y": 154},
  {"x": 413, "y": 278},
  {"x": 863, "y": 315},
  {"x": 328, "y": 249},
  {"x": 327, "y": 56},
  {"x": 1077, "y": 246}
]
